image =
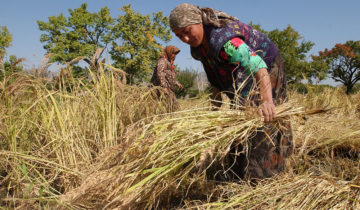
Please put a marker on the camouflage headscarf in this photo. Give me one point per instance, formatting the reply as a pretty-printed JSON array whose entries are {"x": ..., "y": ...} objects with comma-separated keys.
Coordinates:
[
  {"x": 169, "y": 50},
  {"x": 189, "y": 14}
]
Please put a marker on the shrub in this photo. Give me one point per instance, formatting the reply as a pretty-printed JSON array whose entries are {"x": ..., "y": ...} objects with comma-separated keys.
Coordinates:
[{"x": 187, "y": 79}]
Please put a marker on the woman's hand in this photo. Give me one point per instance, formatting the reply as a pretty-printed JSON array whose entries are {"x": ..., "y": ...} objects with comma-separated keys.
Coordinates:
[
  {"x": 179, "y": 86},
  {"x": 267, "y": 110}
]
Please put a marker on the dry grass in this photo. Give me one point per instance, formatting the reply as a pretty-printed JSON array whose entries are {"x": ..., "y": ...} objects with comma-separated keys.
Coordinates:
[
  {"x": 109, "y": 145},
  {"x": 50, "y": 137},
  {"x": 306, "y": 191}
]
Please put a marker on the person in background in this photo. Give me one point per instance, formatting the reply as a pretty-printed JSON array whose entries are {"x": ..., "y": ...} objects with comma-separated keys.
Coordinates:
[
  {"x": 164, "y": 75},
  {"x": 238, "y": 59}
]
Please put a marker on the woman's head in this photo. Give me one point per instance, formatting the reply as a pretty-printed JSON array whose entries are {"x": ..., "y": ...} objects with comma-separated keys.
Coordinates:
[
  {"x": 192, "y": 35},
  {"x": 170, "y": 52},
  {"x": 186, "y": 21},
  {"x": 184, "y": 15}
]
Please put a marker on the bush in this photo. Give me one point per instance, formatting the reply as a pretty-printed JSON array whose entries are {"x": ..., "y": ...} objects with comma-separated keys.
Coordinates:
[
  {"x": 308, "y": 88},
  {"x": 187, "y": 79},
  {"x": 356, "y": 88},
  {"x": 298, "y": 87},
  {"x": 11, "y": 66}
]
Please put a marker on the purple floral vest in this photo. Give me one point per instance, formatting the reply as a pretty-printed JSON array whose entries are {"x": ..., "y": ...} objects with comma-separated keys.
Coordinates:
[{"x": 213, "y": 64}]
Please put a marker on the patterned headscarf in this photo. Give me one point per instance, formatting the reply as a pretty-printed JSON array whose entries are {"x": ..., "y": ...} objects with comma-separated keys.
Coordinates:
[
  {"x": 169, "y": 50},
  {"x": 189, "y": 14}
]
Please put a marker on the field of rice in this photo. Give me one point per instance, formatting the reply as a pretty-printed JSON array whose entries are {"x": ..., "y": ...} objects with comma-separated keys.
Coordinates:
[{"x": 108, "y": 145}]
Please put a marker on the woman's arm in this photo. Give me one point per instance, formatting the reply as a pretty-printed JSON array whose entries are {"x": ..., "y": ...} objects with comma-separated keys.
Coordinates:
[
  {"x": 178, "y": 84},
  {"x": 267, "y": 107},
  {"x": 216, "y": 99},
  {"x": 236, "y": 51}
]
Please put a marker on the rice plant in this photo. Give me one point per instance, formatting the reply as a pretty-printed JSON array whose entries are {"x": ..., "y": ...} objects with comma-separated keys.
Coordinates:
[{"x": 106, "y": 144}]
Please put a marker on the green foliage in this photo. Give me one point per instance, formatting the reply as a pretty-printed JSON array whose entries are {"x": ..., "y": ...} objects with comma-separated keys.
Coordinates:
[
  {"x": 308, "y": 88},
  {"x": 343, "y": 62},
  {"x": 80, "y": 34},
  {"x": 294, "y": 53},
  {"x": 293, "y": 49},
  {"x": 11, "y": 65},
  {"x": 133, "y": 38},
  {"x": 320, "y": 70},
  {"x": 79, "y": 72},
  {"x": 187, "y": 79},
  {"x": 298, "y": 87},
  {"x": 356, "y": 88},
  {"x": 5, "y": 40},
  {"x": 135, "y": 46}
]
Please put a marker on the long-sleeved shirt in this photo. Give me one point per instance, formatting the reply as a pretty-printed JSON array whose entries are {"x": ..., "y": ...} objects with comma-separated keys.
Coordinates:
[
  {"x": 235, "y": 53},
  {"x": 163, "y": 75}
]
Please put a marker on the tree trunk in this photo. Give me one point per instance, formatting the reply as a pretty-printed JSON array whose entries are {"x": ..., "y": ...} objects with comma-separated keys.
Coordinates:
[{"x": 348, "y": 89}]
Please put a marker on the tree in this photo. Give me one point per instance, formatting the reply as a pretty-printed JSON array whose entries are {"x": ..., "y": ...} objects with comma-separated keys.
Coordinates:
[
  {"x": 294, "y": 53},
  {"x": 5, "y": 40},
  {"x": 343, "y": 62},
  {"x": 10, "y": 66},
  {"x": 135, "y": 46},
  {"x": 294, "y": 48},
  {"x": 78, "y": 35}
]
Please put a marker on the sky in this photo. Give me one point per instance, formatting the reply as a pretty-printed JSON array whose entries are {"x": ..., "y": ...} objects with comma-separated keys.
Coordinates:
[{"x": 323, "y": 22}]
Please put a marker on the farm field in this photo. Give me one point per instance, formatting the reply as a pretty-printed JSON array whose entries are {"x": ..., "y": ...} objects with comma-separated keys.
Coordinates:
[
  {"x": 113, "y": 105},
  {"x": 110, "y": 145}
]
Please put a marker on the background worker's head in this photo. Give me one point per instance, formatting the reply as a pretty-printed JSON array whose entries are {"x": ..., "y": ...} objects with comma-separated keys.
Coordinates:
[{"x": 170, "y": 52}]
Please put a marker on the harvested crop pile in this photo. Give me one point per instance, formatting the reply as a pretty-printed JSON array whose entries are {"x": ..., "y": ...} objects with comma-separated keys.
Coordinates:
[{"x": 170, "y": 158}]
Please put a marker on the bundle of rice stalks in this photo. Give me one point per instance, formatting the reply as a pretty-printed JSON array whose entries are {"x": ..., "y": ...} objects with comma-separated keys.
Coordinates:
[
  {"x": 337, "y": 129},
  {"x": 329, "y": 142},
  {"x": 332, "y": 135},
  {"x": 170, "y": 163},
  {"x": 285, "y": 192},
  {"x": 336, "y": 99}
]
